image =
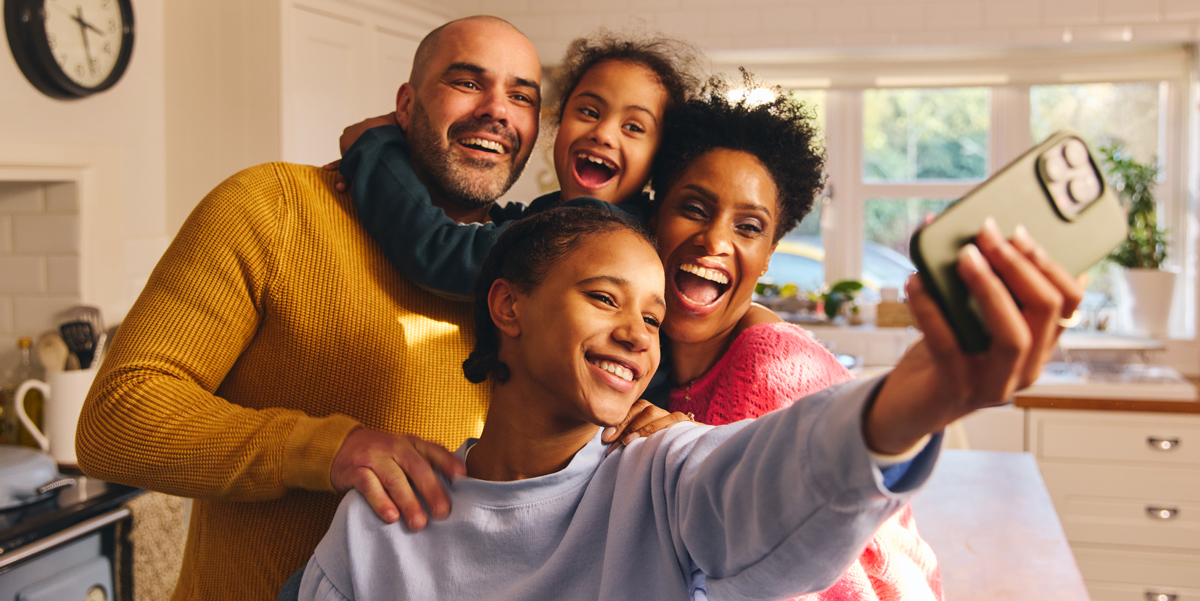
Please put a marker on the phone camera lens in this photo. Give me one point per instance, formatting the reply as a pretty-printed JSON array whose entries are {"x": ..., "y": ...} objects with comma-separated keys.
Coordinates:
[
  {"x": 1084, "y": 189},
  {"x": 1056, "y": 166},
  {"x": 1075, "y": 152}
]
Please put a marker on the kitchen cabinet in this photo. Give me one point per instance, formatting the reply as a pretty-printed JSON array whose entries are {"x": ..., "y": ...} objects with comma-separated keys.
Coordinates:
[
  {"x": 1126, "y": 486},
  {"x": 253, "y": 82}
]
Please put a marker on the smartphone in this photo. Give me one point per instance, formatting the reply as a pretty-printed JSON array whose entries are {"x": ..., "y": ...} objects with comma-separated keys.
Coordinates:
[{"x": 1056, "y": 191}]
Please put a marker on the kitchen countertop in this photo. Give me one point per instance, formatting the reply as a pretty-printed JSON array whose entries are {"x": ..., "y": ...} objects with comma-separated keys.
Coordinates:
[
  {"x": 1145, "y": 388},
  {"x": 991, "y": 523},
  {"x": 89, "y": 498}
]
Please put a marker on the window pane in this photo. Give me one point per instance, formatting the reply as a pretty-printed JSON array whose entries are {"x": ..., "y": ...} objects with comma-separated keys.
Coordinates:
[
  {"x": 921, "y": 134},
  {"x": 800, "y": 257},
  {"x": 888, "y": 223},
  {"x": 1101, "y": 112}
]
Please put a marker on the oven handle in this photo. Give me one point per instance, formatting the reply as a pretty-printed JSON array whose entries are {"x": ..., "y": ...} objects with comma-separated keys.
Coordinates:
[{"x": 74, "y": 532}]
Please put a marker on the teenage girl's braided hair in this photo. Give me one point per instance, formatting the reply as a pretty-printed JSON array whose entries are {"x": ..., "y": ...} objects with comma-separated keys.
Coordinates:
[{"x": 524, "y": 255}]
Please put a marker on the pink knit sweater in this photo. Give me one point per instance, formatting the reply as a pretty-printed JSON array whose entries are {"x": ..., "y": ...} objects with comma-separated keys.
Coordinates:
[{"x": 766, "y": 368}]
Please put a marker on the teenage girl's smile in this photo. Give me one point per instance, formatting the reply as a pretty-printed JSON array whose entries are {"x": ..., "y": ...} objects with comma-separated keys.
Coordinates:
[
  {"x": 611, "y": 127},
  {"x": 590, "y": 329}
]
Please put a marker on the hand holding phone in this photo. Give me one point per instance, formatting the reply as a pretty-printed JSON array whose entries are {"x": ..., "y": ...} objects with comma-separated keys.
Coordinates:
[{"x": 1055, "y": 192}]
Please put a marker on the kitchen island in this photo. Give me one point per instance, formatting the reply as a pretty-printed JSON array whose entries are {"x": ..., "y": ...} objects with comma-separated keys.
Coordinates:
[{"x": 991, "y": 523}]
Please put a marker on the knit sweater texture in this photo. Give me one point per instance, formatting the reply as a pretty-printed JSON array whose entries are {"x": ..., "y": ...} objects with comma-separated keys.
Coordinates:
[
  {"x": 765, "y": 368},
  {"x": 271, "y": 328}
]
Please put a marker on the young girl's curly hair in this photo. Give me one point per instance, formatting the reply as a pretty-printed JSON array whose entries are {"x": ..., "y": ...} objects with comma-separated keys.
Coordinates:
[
  {"x": 523, "y": 255},
  {"x": 672, "y": 61}
]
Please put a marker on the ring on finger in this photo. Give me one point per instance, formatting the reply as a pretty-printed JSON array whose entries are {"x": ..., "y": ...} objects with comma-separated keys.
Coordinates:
[
  {"x": 691, "y": 417},
  {"x": 1072, "y": 321}
]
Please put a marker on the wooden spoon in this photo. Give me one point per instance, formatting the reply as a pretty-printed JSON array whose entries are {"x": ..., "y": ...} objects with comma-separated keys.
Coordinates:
[{"x": 52, "y": 351}]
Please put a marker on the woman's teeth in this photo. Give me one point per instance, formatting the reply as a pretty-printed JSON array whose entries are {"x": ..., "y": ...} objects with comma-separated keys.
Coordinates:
[
  {"x": 485, "y": 144},
  {"x": 711, "y": 275},
  {"x": 619, "y": 371}
]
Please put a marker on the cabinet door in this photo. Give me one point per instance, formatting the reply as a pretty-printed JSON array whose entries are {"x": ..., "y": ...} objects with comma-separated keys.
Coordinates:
[
  {"x": 391, "y": 61},
  {"x": 323, "y": 89}
]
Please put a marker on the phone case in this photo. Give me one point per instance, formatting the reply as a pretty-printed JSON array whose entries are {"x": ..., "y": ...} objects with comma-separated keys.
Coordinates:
[{"x": 1038, "y": 190}]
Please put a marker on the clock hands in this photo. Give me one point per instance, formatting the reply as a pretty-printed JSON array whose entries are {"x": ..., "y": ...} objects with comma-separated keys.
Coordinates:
[{"x": 78, "y": 18}]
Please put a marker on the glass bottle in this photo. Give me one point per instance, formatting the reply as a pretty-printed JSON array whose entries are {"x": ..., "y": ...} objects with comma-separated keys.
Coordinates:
[{"x": 34, "y": 403}]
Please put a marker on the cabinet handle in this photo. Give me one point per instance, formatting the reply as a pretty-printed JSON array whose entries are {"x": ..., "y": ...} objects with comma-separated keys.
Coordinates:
[
  {"x": 1162, "y": 444},
  {"x": 1162, "y": 513},
  {"x": 1153, "y": 596}
]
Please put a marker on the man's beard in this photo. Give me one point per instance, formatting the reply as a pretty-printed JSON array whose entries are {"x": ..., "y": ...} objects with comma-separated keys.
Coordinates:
[{"x": 462, "y": 181}]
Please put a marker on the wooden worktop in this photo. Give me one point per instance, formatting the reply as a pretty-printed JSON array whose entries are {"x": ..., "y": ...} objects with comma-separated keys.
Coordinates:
[{"x": 991, "y": 523}]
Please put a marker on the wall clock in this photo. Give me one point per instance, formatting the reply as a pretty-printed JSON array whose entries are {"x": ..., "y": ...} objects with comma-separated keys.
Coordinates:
[{"x": 70, "y": 48}]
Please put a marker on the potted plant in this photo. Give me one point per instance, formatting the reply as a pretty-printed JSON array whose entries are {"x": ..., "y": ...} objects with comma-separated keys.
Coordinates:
[{"x": 1145, "y": 286}]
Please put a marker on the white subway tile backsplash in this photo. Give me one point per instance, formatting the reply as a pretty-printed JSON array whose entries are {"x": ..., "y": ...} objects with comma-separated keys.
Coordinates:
[
  {"x": 1011, "y": 13},
  {"x": 22, "y": 197},
  {"x": 1071, "y": 12},
  {"x": 31, "y": 315},
  {"x": 841, "y": 18},
  {"x": 62, "y": 275},
  {"x": 534, "y": 26},
  {"x": 685, "y": 24},
  {"x": 983, "y": 37},
  {"x": 926, "y": 38},
  {"x": 964, "y": 14},
  {"x": 787, "y": 19},
  {"x": 62, "y": 197},
  {"x": 22, "y": 275},
  {"x": 46, "y": 233},
  {"x": 1038, "y": 35},
  {"x": 1162, "y": 32},
  {"x": 1178, "y": 10},
  {"x": 898, "y": 17},
  {"x": 736, "y": 22},
  {"x": 1098, "y": 33},
  {"x": 6, "y": 315},
  {"x": 1130, "y": 11}
]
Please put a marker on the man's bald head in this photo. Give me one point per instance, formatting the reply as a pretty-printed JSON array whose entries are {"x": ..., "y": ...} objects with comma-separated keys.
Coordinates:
[{"x": 432, "y": 42}]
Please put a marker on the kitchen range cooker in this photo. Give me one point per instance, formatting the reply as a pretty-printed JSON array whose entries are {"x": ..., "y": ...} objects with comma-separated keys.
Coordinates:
[{"x": 63, "y": 537}]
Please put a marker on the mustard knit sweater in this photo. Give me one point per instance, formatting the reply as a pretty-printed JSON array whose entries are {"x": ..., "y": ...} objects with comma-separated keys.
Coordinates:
[{"x": 271, "y": 327}]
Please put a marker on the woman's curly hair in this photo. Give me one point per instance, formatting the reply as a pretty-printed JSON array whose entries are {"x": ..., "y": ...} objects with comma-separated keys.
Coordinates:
[
  {"x": 780, "y": 133},
  {"x": 673, "y": 61},
  {"x": 523, "y": 255}
]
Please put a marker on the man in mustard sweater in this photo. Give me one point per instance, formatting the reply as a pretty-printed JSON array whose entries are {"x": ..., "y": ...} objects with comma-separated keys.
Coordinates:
[{"x": 275, "y": 359}]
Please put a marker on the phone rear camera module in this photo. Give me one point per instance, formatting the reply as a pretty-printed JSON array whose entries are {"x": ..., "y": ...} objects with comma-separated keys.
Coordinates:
[{"x": 1070, "y": 177}]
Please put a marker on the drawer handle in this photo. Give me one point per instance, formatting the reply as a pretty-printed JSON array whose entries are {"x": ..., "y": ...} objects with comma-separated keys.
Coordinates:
[
  {"x": 1162, "y": 444},
  {"x": 1162, "y": 513},
  {"x": 1153, "y": 596}
]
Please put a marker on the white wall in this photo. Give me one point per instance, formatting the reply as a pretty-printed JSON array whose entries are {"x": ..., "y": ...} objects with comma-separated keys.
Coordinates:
[
  {"x": 755, "y": 24},
  {"x": 126, "y": 124}
]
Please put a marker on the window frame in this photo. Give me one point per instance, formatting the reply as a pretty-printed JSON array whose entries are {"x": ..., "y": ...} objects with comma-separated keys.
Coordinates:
[{"x": 1179, "y": 142}]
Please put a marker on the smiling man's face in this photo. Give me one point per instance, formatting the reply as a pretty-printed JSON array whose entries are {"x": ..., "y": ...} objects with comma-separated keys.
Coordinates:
[{"x": 472, "y": 119}]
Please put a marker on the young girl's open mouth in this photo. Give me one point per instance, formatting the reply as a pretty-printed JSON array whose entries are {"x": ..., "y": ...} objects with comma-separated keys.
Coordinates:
[{"x": 592, "y": 172}]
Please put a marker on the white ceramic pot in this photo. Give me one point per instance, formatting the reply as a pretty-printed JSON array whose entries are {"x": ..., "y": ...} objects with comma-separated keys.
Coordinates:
[
  {"x": 1144, "y": 301},
  {"x": 64, "y": 393}
]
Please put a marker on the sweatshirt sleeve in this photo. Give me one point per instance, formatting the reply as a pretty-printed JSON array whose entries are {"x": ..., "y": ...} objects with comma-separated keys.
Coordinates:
[
  {"x": 430, "y": 249},
  {"x": 784, "y": 504},
  {"x": 152, "y": 418}
]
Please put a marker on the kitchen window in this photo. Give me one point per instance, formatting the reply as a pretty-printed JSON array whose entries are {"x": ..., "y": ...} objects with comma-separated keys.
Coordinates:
[{"x": 902, "y": 146}]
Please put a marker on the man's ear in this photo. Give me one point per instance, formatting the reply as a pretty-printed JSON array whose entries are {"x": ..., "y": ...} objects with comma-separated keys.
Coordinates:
[
  {"x": 502, "y": 304},
  {"x": 405, "y": 97}
]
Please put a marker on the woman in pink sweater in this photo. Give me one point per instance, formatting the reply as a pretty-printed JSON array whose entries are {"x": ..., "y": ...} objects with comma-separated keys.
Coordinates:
[{"x": 731, "y": 179}]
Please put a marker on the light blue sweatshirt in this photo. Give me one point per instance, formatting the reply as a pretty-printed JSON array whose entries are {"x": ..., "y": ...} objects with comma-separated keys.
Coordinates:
[{"x": 759, "y": 509}]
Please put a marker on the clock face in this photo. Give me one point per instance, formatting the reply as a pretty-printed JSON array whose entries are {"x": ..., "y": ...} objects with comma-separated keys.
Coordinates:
[
  {"x": 85, "y": 37},
  {"x": 70, "y": 48}
]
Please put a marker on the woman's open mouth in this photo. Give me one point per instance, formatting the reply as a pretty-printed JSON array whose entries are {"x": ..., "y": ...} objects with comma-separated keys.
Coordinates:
[
  {"x": 593, "y": 172},
  {"x": 700, "y": 287},
  {"x": 619, "y": 374}
]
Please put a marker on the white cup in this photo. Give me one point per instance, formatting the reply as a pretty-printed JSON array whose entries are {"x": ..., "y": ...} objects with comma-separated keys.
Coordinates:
[{"x": 64, "y": 393}]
